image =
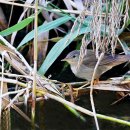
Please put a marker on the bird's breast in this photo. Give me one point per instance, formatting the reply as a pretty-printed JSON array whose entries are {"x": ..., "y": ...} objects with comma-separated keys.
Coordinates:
[{"x": 82, "y": 72}]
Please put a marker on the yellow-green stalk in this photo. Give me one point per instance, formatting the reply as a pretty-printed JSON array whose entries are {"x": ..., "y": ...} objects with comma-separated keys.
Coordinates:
[{"x": 35, "y": 64}]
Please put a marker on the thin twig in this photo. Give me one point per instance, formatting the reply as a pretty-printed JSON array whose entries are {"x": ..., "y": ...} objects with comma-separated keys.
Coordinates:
[
  {"x": 18, "y": 4},
  {"x": 14, "y": 49},
  {"x": 19, "y": 111},
  {"x": 13, "y": 81},
  {"x": 14, "y": 92},
  {"x": 91, "y": 89},
  {"x": 17, "y": 75},
  {"x": 1, "y": 87}
]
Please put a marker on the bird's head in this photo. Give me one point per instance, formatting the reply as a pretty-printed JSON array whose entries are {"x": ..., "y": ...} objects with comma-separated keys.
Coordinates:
[{"x": 72, "y": 57}]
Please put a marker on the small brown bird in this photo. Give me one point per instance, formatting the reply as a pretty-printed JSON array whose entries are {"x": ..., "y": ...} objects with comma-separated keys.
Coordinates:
[{"x": 85, "y": 70}]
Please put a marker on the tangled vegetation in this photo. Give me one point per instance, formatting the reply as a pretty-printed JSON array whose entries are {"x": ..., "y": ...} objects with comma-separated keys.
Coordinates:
[{"x": 27, "y": 52}]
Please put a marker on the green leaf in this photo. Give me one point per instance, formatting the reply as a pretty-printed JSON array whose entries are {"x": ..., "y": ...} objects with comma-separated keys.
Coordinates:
[
  {"x": 58, "y": 48},
  {"x": 76, "y": 113},
  {"x": 17, "y": 26},
  {"x": 44, "y": 28}
]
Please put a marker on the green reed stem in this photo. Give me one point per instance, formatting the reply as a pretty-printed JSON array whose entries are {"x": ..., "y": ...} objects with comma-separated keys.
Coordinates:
[{"x": 35, "y": 64}]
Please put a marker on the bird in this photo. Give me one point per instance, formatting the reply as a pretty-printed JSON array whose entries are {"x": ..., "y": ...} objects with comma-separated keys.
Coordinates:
[{"x": 86, "y": 68}]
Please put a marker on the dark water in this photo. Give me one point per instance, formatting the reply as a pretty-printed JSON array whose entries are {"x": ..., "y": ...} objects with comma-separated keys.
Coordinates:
[{"x": 51, "y": 115}]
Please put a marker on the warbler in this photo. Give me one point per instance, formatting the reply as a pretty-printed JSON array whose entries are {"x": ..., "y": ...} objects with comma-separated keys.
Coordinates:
[{"x": 86, "y": 68}]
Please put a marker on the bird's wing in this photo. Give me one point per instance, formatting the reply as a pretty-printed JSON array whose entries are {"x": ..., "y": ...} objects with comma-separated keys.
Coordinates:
[
  {"x": 90, "y": 61},
  {"x": 108, "y": 60}
]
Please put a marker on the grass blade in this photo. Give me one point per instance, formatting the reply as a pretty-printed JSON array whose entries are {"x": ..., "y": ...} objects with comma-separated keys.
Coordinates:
[
  {"x": 58, "y": 48},
  {"x": 44, "y": 28},
  {"x": 17, "y": 26}
]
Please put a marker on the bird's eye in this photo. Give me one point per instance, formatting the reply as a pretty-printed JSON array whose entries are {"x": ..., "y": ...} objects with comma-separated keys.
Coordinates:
[{"x": 74, "y": 56}]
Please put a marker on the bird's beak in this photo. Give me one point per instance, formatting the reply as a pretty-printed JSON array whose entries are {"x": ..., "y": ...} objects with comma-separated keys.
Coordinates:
[{"x": 65, "y": 59}]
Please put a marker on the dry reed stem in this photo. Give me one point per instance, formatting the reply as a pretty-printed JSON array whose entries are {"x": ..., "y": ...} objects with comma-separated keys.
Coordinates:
[
  {"x": 35, "y": 65},
  {"x": 1, "y": 87},
  {"x": 91, "y": 89},
  {"x": 88, "y": 13},
  {"x": 85, "y": 111}
]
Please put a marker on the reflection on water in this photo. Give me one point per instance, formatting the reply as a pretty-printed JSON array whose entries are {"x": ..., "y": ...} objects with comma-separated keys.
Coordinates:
[{"x": 52, "y": 115}]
